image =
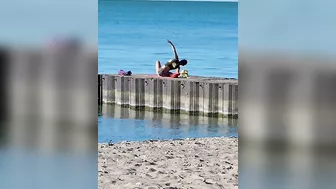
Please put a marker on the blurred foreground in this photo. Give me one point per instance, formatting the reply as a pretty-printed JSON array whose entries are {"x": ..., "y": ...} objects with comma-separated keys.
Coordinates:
[
  {"x": 48, "y": 58},
  {"x": 287, "y": 94},
  {"x": 49, "y": 116},
  {"x": 287, "y": 123}
]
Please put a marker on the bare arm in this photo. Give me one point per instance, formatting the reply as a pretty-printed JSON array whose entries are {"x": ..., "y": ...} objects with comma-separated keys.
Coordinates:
[
  {"x": 177, "y": 70},
  {"x": 174, "y": 49}
]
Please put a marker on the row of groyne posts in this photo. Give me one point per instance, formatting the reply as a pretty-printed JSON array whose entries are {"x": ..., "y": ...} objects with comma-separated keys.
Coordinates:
[{"x": 203, "y": 96}]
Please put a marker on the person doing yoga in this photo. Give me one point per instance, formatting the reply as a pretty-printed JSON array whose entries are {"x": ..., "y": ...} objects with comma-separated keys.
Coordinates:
[{"x": 173, "y": 64}]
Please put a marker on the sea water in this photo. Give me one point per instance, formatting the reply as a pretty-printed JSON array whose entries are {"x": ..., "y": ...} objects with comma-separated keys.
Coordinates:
[
  {"x": 133, "y": 34},
  {"x": 117, "y": 124}
]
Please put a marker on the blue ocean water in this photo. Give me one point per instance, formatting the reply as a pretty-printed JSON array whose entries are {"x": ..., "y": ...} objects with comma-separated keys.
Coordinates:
[
  {"x": 122, "y": 124},
  {"x": 133, "y": 33}
]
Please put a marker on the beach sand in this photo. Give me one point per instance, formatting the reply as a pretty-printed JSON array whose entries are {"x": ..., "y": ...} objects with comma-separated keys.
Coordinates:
[{"x": 189, "y": 163}]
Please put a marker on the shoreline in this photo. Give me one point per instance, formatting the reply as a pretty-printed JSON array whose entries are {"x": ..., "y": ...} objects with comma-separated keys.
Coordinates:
[{"x": 182, "y": 163}]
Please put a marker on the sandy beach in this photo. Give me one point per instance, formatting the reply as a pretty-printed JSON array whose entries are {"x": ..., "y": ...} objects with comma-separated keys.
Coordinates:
[{"x": 170, "y": 164}]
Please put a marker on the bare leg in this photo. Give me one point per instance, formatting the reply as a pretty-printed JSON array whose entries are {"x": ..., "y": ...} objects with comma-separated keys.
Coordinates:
[{"x": 157, "y": 66}]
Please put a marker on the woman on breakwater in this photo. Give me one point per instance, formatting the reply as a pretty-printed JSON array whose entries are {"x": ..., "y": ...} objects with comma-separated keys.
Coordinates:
[{"x": 173, "y": 64}]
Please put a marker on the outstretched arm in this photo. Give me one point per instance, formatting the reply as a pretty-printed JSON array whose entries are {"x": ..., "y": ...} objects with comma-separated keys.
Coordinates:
[{"x": 174, "y": 49}]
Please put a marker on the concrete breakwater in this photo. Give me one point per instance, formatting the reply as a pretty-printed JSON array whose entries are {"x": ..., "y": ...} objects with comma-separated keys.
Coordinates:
[{"x": 195, "y": 95}]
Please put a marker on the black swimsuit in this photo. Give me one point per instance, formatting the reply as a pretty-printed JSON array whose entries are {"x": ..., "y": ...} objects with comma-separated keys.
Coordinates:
[{"x": 173, "y": 64}]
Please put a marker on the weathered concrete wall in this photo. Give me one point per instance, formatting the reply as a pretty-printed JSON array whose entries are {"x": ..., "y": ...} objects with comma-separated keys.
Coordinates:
[{"x": 195, "y": 95}]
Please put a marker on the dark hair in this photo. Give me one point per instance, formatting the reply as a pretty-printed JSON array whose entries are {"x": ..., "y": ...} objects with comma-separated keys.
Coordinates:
[{"x": 183, "y": 62}]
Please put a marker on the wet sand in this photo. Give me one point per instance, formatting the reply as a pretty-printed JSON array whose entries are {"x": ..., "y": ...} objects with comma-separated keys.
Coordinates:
[{"x": 189, "y": 163}]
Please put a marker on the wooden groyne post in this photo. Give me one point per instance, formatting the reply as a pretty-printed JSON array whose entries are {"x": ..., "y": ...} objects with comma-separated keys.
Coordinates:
[{"x": 196, "y": 95}]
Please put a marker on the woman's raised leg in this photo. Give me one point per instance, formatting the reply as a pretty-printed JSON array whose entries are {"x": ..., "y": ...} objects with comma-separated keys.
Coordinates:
[{"x": 157, "y": 66}]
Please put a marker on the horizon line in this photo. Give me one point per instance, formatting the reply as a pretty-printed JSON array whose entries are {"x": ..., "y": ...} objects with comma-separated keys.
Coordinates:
[{"x": 199, "y": 0}]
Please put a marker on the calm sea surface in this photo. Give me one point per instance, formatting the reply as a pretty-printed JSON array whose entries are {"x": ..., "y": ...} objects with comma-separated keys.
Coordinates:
[
  {"x": 132, "y": 36},
  {"x": 120, "y": 124}
]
